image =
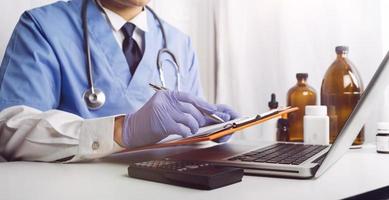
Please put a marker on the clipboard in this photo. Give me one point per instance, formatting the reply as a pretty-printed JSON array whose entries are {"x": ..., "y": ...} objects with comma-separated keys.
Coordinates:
[{"x": 231, "y": 128}]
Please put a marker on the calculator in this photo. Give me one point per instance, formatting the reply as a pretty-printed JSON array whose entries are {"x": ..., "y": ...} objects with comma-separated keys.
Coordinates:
[{"x": 193, "y": 174}]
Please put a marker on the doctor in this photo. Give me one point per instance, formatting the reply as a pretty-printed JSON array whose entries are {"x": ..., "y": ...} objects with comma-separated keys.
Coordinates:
[{"x": 55, "y": 106}]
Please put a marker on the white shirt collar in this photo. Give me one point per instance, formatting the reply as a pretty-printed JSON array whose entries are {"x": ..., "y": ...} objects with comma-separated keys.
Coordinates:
[{"x": 117, "y": 22}]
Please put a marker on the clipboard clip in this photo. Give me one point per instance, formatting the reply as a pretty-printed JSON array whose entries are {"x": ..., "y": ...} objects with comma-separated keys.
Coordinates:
[
  {"x": 227, "y": 126},
  {"x": 238, "y": 124},
  {"x": 258, "y": 117}
]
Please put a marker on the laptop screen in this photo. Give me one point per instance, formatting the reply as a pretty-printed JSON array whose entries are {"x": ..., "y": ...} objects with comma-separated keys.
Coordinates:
[{"x": 358, "y": 117}]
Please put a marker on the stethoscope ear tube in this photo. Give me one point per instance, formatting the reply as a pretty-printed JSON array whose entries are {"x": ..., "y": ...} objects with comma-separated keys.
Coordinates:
[
  {"x": 165, "y": 49},
  {"x": 160, "y": 68}
]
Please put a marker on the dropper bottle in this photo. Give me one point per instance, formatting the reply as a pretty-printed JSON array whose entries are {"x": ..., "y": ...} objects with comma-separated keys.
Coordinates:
[
  {"x": 299, "y": 96},
  {"x": 269, "y": 128}
]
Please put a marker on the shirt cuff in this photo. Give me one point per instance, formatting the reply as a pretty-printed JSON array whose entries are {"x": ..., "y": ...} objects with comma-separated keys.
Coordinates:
[{"x": 96, "y": 139}]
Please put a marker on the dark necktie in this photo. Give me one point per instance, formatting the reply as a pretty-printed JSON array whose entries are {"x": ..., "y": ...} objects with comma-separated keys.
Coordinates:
[{"x": 130, "y": 48}]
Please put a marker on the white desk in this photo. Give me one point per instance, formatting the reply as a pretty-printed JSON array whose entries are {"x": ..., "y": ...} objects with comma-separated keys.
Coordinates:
[{"x": 358, "y": 171}]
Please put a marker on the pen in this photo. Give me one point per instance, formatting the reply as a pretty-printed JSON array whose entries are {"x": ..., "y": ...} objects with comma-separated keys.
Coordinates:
[{"x": 212, "y": 116}]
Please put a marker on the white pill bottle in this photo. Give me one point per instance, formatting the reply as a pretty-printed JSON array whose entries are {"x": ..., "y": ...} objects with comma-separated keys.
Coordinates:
[
  {"x": 382, "y": 137},
  {"x": 316, "y": 125}
]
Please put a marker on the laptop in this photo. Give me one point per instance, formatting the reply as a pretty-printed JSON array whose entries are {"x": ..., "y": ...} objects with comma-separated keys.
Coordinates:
[{"x": 295, "y": 160}]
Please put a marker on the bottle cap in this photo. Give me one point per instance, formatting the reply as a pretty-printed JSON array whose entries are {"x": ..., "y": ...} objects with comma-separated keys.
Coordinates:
[
  {"x": 273, "y": 103},
  {"x": 341, "y": 49},
  {"x": 383, "y": 127},
  {"x": 316, "y": 110},
  {"x": 301, "y": 76}
]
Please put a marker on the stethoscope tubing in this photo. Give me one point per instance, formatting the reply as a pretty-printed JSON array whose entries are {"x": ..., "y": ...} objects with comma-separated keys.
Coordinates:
[
  {"x": 88, "y": 59},
  {"x": 160, "y": 68},
  {"x": 94, "y": 97}
]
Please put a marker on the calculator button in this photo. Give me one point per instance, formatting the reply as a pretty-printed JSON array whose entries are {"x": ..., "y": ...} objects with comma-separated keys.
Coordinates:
[
  {"x": 182, "y": 169},
  {"x": 192, "y": 166}
]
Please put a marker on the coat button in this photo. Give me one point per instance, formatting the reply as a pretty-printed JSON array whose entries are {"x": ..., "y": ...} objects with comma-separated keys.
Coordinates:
[{"x": 95, "y": 145}]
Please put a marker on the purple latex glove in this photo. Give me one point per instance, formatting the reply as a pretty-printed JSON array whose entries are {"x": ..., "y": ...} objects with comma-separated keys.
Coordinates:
[
  {"x": 224, "y": 112},
  {"x": 166, "y": 113}
]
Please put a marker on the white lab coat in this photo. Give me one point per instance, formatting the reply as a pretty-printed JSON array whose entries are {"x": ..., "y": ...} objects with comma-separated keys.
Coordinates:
[{"x": 29, "y": 134}]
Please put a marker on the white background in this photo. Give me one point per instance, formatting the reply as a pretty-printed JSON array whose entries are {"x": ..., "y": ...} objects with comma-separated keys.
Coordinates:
[{"x": 250, "y": 48}]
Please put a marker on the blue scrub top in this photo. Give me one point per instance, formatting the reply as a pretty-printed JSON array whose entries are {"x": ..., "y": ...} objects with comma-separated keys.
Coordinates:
[{"x": 44, "y": 64}]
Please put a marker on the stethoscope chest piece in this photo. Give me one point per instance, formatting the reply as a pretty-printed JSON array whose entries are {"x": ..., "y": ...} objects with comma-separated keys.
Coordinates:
[{"x": 94, "y": 98}]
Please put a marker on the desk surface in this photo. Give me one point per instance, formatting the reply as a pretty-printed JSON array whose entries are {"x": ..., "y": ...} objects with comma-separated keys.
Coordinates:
[{"x": 358, "y": 171}]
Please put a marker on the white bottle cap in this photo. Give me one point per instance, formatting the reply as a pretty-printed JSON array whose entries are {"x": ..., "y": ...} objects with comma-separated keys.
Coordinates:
[{"x": 316, "y": 110}]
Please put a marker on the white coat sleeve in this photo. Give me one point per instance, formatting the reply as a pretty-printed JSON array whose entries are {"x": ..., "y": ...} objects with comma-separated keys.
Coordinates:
[{"x": 29, "y": 134}]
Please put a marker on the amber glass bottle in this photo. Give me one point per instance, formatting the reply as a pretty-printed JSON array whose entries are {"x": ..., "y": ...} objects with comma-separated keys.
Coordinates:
[
  {"x": 340, "y": 91},
  {"x": 299, "y": 96}
]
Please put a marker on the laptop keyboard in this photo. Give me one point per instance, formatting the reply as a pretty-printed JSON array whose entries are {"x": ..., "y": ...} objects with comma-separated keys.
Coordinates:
[{"x": 281, "y": 153}]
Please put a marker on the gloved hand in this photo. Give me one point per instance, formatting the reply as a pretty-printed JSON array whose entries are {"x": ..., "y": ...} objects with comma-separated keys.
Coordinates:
[
  {"x": 226, "y": 113},
  {"x": 166, "y": 113}
]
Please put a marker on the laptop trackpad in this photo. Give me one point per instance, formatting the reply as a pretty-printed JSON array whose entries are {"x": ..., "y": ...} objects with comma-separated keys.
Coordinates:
[{"x": 217, "y": 152}]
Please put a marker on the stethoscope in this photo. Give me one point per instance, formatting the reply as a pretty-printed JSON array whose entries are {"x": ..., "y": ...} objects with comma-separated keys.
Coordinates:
[{"x": 94, "y": 97}]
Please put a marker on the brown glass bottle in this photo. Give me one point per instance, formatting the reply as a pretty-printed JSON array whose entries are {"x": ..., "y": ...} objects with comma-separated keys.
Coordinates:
[
  {"x": 299, "y": 96},
  {"x": 340, "y": 92}
]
